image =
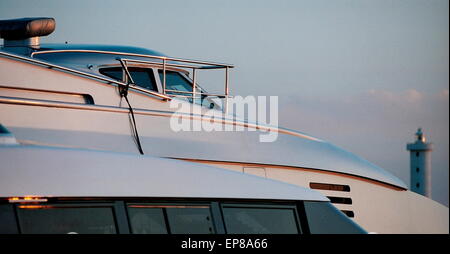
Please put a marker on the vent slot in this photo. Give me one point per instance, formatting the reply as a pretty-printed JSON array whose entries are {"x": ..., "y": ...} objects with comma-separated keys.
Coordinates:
[
  {"x": 336, "y": 200},
  {"x": 36, "y": 94},
  {"x": 328, "y": 186},
  {"x": 340, "y": 200},
  {"x": 349, "y": 213}
]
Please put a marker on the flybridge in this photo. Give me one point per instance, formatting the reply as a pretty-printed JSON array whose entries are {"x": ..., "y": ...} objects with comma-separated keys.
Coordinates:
[
  {"x": 22, "y": 36},
  {"x": 162, "y": 62}
]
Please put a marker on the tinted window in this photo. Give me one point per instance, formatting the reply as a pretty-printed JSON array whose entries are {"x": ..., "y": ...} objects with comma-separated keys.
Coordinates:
[
  {"x": 245, "y": 220},
  {"x": 114, "y": 73},
  {"x": 190, "y": 220},
  {"x": 7, "y": 219},
  {"x": 142, "y": 77},
  {"x": 324, "y": 218},
  {"x": 145, "y": 220},
  {"x": 174, "y": 219},
  {"x": 175, "y": 81},
  {"x": 46, "y": 219}
]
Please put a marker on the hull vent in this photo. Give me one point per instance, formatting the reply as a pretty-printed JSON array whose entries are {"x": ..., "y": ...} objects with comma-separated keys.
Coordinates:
[{"x": 335, "y": 198}]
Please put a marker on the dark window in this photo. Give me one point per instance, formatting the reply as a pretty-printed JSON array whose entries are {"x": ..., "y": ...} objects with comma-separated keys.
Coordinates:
[
  {"x": 251, "y": 220},
  {"x": 194, "y": 220},
  {"x": 114, "y": 73},
  {"x": 417, "y": 170},
  {"x": 175, "y": 81},
  {"x": 146, "y": 220},
  {"x": 48, "y": 219},
  {"x": 417, "y": 185},
  {"x": 8, "y": 223},
  {"x": 141, "y": 76},
  {"x": 178, "y": 84},
  {"x": 174, "y": 219},
  {"x": 324, "y": 218},
  {"x": 417, "y": 154}
]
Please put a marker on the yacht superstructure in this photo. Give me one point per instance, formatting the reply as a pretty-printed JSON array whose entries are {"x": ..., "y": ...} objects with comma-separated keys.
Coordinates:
[
  {"x": 62, "y": 190},
  {"x": 117, "y": 99}
]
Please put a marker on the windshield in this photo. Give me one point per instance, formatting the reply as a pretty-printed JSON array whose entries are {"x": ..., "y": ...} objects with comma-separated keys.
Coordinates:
[
  {"x": 141, "y": 76},
  {"x": 176, "y": 82}
]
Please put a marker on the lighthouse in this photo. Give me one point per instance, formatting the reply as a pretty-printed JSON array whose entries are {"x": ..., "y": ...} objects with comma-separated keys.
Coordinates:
[{"x": 420, "y": 164}]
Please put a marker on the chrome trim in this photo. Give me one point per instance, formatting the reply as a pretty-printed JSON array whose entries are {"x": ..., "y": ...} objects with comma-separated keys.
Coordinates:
[
  {"x": 164, "y": 76},
  {"x": 193, "y": 86},
  {"x": 194, "y": 93},
  {"x": 69, "y": 105},
  {"x": 130, "y": 54},
  {"x": 128, "y": 76},
  {"x": 198, "y": 66},
  {"x": 226, "y": 89},
  {"x": 174, "y": 67}
]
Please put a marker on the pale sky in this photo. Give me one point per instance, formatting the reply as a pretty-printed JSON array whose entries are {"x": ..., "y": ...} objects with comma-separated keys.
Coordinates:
[{"x": 361, "y": 74}]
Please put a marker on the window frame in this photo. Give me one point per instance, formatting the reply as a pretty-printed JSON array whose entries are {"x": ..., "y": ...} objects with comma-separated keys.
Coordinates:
[
  {"x": 295, "y": 207},
  {"x": 119, "y": 206},
  {"x": 185, "y": 75},
  {"x": 188, "y": 204},
  {"x": 149, "y": 69},
  {"x": 113, "y": 205},
  {"x": 158, "y": 81}
]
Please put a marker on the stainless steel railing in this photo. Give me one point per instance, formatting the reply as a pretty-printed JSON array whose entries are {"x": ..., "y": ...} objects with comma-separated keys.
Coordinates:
[
  {"x": 164, "y": 63},
  {"x": 124, "y": 62}
]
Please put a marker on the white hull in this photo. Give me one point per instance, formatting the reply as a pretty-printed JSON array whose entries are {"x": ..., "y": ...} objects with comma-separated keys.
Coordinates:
[{"x": 49, "y": 109}]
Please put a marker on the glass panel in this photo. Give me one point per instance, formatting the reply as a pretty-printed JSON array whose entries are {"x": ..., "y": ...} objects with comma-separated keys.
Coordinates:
[
  {"x": 324, "y": 218},
  {"x": 39, "y": 219},
  {"x": 143, "y": 78},
  {"x": 244, "y": 220},
  {"x": 114, "y": 73},
  {"x": 190, "y": 220},
  {"x": 175, "y": 81},
  {"x": 146, "y": 220},
  {"x": 7, "y": 220}
]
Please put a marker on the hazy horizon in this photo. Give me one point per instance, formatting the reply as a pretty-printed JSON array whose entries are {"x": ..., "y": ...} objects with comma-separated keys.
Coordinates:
[{"x": 363, "y": 75}]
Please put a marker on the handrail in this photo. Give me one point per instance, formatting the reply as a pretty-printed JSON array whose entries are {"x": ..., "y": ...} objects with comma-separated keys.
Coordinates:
[
  {"x": 164, "y": 63},
  {"x": 124, "y": 62},
  {"x": 206, "y": 66},
  {"x": 131, "y": 54},
  {"x": 196, "y": 93},
  {"x": 82, "y": 73}
]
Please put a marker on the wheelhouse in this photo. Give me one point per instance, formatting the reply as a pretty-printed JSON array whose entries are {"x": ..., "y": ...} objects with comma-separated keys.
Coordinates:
[{"x": 150, "y": 72}]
